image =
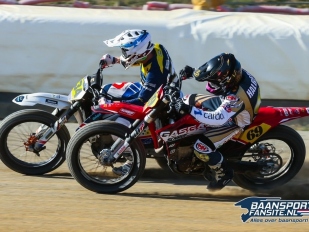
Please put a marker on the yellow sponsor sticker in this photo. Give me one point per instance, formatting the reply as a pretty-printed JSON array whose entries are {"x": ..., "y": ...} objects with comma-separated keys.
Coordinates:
[{"x": 253, "y": 133}]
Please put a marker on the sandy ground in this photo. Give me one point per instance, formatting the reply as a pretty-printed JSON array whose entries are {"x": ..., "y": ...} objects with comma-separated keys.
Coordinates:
[{"x": 160, "y": 201}]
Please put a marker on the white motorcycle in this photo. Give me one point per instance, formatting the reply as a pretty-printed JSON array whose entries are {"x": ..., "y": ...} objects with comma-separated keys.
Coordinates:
[{"x": 33, "y": 141}]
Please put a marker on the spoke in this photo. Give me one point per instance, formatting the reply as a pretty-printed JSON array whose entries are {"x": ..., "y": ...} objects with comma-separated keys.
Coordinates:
[
  {"x": 19, "y": 135},
  {"x": 275, "y": 154},
  {"x": 92, "y": 169}
]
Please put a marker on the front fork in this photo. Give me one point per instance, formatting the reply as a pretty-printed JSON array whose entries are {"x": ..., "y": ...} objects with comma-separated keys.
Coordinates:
[
  {"x": 109, "y": 156},
  {"x": 44, "y": 133}
]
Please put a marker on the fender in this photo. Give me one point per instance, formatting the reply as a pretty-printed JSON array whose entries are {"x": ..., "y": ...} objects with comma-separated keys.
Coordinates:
[{"x": 48, "y": 99}]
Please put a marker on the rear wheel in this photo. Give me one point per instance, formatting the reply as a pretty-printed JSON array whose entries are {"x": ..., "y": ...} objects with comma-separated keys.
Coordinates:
[
  {"x": 84, "y": 159},
  {"x": 16, "y": 130},
  {"x": 284, "y": 151}
]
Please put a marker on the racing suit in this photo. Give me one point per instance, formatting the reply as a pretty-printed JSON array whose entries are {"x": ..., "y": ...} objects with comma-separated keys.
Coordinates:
[
  {"x": 225, "y": 115},
  {"x": 153, "y": 74}
]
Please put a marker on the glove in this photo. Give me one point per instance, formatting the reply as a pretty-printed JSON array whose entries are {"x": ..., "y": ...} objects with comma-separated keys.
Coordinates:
[
  {"x": 170, "y": 90},
  {"x": 107, "y": 60},
  {"x": 186, "y": 72},
  {"x": 181, "y": 107}
]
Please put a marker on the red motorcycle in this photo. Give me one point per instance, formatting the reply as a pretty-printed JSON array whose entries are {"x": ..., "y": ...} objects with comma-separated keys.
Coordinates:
[{"x": 264, "y": 156}]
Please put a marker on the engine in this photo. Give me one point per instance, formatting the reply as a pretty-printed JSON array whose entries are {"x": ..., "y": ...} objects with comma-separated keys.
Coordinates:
[{"x": 183, "y": 160}]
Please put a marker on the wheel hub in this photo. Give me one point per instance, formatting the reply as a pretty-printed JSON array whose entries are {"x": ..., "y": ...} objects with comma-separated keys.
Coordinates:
[{"x": 29, "y": 144}]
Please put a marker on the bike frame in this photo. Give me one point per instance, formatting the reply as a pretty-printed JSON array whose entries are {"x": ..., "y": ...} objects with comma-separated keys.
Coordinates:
[{"x": 266, "y": 119}]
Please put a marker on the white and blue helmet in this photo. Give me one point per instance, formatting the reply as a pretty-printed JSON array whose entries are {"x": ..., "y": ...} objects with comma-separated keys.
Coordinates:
[{"x": 135, "y": 46}]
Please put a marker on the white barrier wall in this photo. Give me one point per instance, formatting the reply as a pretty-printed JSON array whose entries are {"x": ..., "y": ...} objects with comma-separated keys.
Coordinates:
[{"x": 48, "y": 49}]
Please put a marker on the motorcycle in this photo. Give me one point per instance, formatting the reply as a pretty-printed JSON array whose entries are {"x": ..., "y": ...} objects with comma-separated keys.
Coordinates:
[
  {"x": 264, "y": 156},
  {"x": 26, "y": 135}
]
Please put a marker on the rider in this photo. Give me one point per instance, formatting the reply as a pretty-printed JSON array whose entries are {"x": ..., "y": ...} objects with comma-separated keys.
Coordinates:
[
  {"x": 234, "y": 103},
  {"x": 155, "y": 67}
]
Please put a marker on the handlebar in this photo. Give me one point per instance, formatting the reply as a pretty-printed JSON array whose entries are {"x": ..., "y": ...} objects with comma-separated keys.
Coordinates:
[{"x": 171, "y": 95}]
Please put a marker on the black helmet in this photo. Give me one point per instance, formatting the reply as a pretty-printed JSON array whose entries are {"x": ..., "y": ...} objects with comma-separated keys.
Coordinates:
[{"x": 222, "y": 72}]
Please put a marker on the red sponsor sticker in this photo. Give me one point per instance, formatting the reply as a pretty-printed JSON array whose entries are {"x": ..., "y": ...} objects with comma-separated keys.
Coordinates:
[
  {"x": 201, "y": 147},
  {"x": 231, "y": 98}
]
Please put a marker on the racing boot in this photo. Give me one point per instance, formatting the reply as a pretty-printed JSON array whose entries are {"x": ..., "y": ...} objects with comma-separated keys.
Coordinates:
[
  {"x": 126, "y": 167},
  {"x": 223, "y": 175},
  {"x": 214, "y": 159}
]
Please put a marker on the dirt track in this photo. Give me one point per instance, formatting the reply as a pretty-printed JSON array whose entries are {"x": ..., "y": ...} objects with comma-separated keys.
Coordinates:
[{"x": 160, "y": 201}]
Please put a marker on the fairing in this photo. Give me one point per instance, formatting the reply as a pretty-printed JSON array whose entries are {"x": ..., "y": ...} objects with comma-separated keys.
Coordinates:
[{"x": 48, "y": 99}]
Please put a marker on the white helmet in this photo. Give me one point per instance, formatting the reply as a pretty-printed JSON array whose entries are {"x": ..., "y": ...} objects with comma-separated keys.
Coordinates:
[{"x": 135, "y": 46}]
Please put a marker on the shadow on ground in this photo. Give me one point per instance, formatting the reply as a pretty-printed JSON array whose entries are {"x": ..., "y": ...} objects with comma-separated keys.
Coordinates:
[{"x": 296, "y": 189}]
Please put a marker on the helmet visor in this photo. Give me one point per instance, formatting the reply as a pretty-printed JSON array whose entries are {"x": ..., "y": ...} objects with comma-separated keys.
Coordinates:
[{"x": 124, "y": 52}]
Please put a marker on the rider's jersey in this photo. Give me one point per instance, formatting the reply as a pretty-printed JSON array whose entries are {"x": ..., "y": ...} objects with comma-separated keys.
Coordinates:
[
  {"x": 154, "y": 74},
  {"x": 238, "y": 107}
]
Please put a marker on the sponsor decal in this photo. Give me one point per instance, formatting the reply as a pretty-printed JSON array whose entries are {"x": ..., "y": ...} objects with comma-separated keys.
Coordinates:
[
  {"x": 167, "y": 63},
  {"x": 253, "y": 133},
  {"x": 231, "y": 98},
  {"x": 273, "y": 209},
  {"x": 286, "y": 113},
  {"x": 19, "y": 98},
  {"x": 122, "y": 149},
  {"x": 227, "y": 108},
  {"x": 290, "y": 111},
  {"x": 183, "y": 132},
  {"x": 251, "y": 90},
  {"x": 176, "y": 138},
  {"x": 307, "y": 109},
  {"x": 56, "y": 96},
  {"x": 253, "y": 86},
  {"x": 216, "y": 116},
  {"x": 140, "y": 128},
  {"x": 197, "y": 112},
  {"x": 127, "y": 112},
  {"x": 297, "y": 111},
  {"x": 196, "y": 73},
  {"x": 201, "y": 147},
  {"x": 54, "y": 102},
  {"x": 145, "y": 132}
]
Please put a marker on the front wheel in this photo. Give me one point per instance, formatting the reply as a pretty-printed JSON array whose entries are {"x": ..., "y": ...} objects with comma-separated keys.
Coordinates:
[
  {"x": 16, "y": 130},
  {"x": 83, "y": 158},
  {"x": 284, "y": 152}
]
